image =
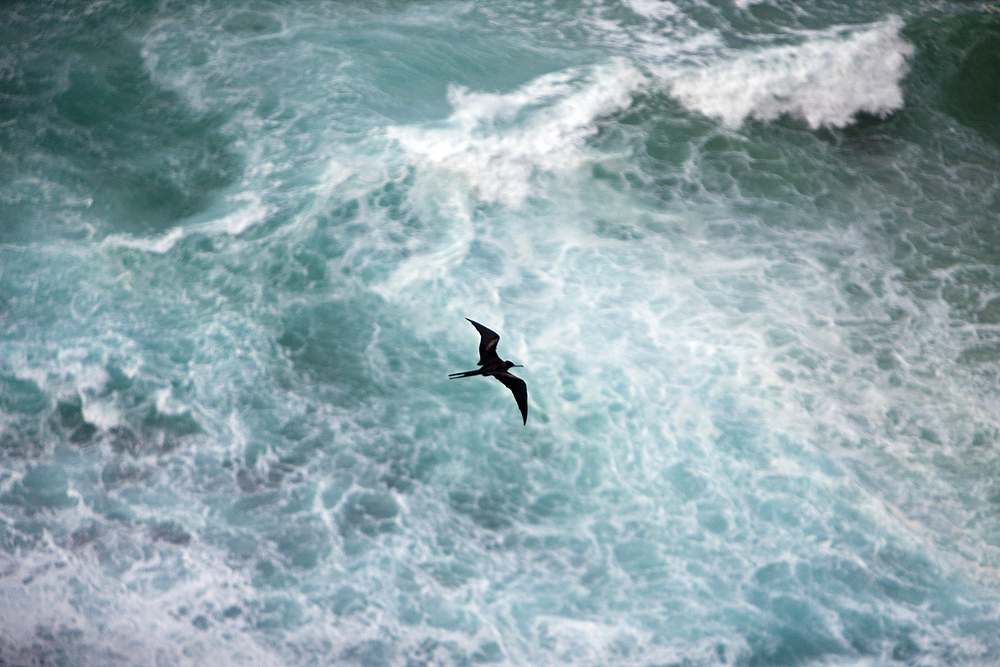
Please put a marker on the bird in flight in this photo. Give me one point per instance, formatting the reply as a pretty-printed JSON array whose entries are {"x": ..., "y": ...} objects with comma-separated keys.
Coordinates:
[{"x": 492, "y": 364}]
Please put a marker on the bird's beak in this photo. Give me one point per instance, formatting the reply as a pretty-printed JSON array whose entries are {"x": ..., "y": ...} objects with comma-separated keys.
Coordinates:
[{"x": 517, "y": 366}]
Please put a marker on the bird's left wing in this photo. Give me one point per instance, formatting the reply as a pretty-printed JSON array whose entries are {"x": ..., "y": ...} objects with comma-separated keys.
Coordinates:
[
  {"x": 519, "y": 389},
  {"x": 487, "y": 343}
]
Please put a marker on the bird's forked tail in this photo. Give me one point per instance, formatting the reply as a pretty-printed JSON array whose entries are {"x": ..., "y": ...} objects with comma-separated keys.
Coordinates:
[{"x": 465, "y": 374}]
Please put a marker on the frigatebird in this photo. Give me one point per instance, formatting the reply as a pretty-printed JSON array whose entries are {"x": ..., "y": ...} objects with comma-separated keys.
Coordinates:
[{"x": 493, "y": 365}]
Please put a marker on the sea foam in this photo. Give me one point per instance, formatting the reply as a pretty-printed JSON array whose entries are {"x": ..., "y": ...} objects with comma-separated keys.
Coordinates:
[
  {"x": 499, "y": 141},
  {"x": 826, "y": 80}
]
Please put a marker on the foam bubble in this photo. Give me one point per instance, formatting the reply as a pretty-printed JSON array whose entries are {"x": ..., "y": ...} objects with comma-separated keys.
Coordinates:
[
  {"x": 498, "y": 142},
  {"x": 827, "y": 80}
]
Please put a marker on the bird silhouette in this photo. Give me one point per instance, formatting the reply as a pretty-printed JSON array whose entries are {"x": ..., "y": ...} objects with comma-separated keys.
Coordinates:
[{"x": 492, "y": 365}]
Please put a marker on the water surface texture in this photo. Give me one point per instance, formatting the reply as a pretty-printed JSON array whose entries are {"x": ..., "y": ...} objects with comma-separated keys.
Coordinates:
[{"x": 748, "y": 253}]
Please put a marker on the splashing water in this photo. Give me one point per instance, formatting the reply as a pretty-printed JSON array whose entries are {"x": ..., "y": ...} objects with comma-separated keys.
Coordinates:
[{"x": 747, "y": 254}]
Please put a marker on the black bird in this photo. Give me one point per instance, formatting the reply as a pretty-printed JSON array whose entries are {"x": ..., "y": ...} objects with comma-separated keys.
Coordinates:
[{"x": 493, "y": 365}]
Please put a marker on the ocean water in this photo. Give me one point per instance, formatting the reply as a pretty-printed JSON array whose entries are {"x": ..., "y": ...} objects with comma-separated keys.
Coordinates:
[{"x": 747, "y": 252}]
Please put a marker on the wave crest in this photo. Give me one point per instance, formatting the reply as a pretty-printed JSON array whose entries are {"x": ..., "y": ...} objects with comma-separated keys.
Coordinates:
[
  {"x": 499, "y": 141},
  {"x": 826, "y": 81}
]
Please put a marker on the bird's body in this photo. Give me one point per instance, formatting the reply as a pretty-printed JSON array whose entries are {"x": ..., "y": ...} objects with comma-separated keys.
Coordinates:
[{"x": 492, "y": 365}]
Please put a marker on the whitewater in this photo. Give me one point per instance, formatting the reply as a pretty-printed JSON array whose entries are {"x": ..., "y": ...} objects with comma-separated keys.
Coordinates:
[{"x": 748, "y": 254}]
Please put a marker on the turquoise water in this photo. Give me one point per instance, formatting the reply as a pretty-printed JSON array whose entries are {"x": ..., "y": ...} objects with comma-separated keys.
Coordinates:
[{"x": 748, "y": 254}]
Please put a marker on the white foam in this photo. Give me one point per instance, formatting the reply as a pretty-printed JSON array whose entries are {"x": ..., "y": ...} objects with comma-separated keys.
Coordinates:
[
  {"x": 88, "y": 376},
  {"x": 101, "y": 414},
  {"x": 242, "y": 219},
  {"x": 498, "y": 142},
  {"x": 425, "y": 268},
  {"x": 232, "y": 224},
  {"x": 157, "y": 245},
  {"x": 653, "y": 9},
  {"x": 585, "y": 642},
  {"x": 827, "y": 80},
  {"x": 66, "y": 601},
  {"x": 89, "y": 380}
]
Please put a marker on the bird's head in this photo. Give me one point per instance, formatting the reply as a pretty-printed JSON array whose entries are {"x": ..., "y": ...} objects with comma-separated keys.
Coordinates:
[{"x": 511, "y": 364}]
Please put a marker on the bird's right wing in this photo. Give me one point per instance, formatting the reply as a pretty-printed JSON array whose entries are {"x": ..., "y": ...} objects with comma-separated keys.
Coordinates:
[
  {"x": 519, "y": 389},
  {"x": 487, "y": 344}
]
